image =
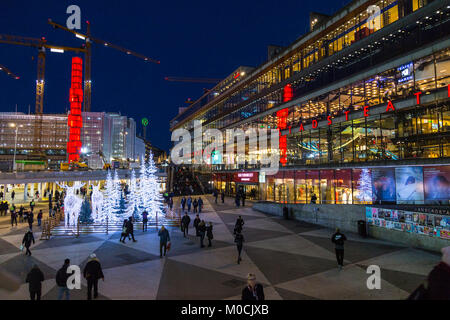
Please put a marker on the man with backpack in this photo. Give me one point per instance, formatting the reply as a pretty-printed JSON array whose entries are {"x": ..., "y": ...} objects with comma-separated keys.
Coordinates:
[
  {"x": 61, "y": 280},
  {"x": 338, "y": 239},
  {"x": 26, "y": 241},
  {"x": 92, "y": 273}
]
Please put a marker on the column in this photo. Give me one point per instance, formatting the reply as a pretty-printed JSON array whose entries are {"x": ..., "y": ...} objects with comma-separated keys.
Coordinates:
[{"x": 25, "y": 189}]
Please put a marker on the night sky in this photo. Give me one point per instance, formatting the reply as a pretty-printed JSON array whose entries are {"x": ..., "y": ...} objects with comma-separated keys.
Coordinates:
[{"x": 207, "y": 39}]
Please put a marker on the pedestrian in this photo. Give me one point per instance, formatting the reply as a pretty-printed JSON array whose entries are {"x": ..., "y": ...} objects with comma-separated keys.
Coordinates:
[
  {"x": 189, "y": 203},
  {"x": 222, "y": 196},
  {"x": 338, "y": 239},
  {"x": 92, "y": 273},
  {"x": 170, "y": 203},
  {"x": 437, "y": 284},
  {"x": 202, "y": 232},
  {"x": 26, "y": 241},
  {"x": 164, "y": 241},
  {"x": 313, "y": 198},
  {"x": 34, "y": 280},
  {"x": 215, "y": 194},
  {"x": 144, "y": 220},
  {"x": 13, "y": 194},
  {"x": 31, "y": 220},
  {"x": 21, "y": 209},
  {"x": 1, "y": 195},
  {"x": 237, "y": 200},
  {"x": 130, "y": 228},
  {"x": 196, "y": 223},
  {"x": 243, "y": 196},
  {"x": 195, "y": 204},
  {"x": 61, "y": 280},
  {"x": 253, "y": 291},
  {"x": 124, "y": 233},
  {"x": 183, "y": 203},
  {"x": 200, "y": 205},
  {"x": 239, "y": 240},
  {"x": 13, "y": 216},
  {"x": 185, "y": 224},
  {"x": 239, "y": 224},
  {"x": 209, "y": 233},
  {"x": 39, "y": 218}
]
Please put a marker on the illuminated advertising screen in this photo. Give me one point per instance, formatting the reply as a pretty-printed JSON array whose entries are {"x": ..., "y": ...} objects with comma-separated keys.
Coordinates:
[
  {"x": 409, "y": 185},
  {"x": 437, "y": 184},
  {"x": 383, "y": 185}
]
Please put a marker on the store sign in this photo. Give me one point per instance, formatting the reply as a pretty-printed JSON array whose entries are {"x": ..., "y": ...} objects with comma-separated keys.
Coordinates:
[
  {"x": 406, "y": 72},
  {"x": 262, "y": 177},
  {"x": 246, "y": 177}
]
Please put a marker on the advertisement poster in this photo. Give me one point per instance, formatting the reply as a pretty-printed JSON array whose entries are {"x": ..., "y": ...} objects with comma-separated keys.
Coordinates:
[
  {"x": 445, "y": 234},
  {"x": 409, "y": 185},
  {"x": 383, "y": 185},
  {"x": 437, "y": 184}
]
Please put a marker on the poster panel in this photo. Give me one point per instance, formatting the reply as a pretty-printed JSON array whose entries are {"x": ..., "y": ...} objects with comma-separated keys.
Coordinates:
[{"x": 409, "y": 185}]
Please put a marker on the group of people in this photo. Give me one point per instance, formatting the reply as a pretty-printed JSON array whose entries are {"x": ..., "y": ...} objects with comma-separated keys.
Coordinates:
[
  {"x": 92, "y": 272},
  {"x": 128, "y": 230},
  {"x": 202, "y": 229},
  {"x": 240, "y": 198},
  {"x": 197, "y": 204},
  {"x": 216, "y": 195}
]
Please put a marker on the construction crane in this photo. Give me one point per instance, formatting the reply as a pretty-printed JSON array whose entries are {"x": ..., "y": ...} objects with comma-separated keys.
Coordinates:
[
  {"x": 8, "y": 72},
  {"x": 41, "y": 44},
  {"x": 89, "y": 40},
  {"x": 194, "y": 80}
]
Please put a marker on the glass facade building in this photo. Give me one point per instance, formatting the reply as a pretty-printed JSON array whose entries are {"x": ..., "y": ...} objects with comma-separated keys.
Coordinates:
[{"x": 362, "y": 91}]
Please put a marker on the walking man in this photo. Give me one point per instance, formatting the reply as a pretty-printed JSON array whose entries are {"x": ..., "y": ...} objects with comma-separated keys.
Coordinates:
[
  {"x": 164, "y": 239},
  {"x": 32, "y": 204},
  {"x": 215, "y": 195},
  {"x": 239, "y": 224},
  {"x": 185, "y": 224},
  {"x": 189, "y": 203},
  {"x": 239, "y": 240},
  {"x": 222, "y": 196},
  {"x": 13, "y": 216},
  {"x": 34, "y": 280},
  {"x": 183, "y": 203},
  {"x": 338, "y": 239},
  {"x": 196, "y": 223},
  {"x": 39, "y": 218},
  {"x": 195, "y": 204},
  {"x": 200, "y": 205},
  {"x": 209, "y": 233},
  {"x": 61, "y": 280},
  {"x": 130, "y": 228},
  {"x": 13, "y": 194},
  {"x": 202, "y": 232},
  {"x": 31, "y": 220},
  {"x": 253, "y": 291},
  {"x": 144, "y": 220},
  {"x": 26, "y": 241},
  {"x": 92, "y": 273}
]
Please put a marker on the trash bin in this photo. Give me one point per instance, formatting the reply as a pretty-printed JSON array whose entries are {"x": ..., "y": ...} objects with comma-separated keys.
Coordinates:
[
  {"x": 285, "y": 213},
  {"x": 362, "y": 230}
]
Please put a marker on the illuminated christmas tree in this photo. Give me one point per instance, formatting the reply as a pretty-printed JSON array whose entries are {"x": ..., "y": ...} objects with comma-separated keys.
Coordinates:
[{"x": 365, "y": 186}]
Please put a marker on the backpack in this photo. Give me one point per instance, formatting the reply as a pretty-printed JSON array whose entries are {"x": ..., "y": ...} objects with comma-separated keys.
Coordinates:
[{"x": 61, "y": 277}]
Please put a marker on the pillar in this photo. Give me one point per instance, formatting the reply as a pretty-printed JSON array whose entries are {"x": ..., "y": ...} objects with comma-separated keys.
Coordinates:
[{"x": 25, "y": 189}]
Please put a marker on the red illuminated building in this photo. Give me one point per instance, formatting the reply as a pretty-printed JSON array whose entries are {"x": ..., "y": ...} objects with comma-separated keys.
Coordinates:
[{"x": 75, "y": 121}]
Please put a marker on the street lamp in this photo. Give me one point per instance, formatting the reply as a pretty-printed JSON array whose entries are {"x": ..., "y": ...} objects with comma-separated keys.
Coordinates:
[{"x": 13, "y": 125}]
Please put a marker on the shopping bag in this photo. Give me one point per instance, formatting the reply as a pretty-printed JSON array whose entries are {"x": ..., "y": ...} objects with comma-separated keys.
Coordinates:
[
  {"x": 21, "y": 247},
  {"x": 168, "y": 246}
]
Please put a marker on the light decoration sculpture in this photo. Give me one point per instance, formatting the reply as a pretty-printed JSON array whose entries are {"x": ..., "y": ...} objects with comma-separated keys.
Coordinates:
[{"x": 75, "y": 121}]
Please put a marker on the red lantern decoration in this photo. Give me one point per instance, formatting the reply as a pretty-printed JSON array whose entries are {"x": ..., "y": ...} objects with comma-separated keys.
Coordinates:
[{"x": 75, "y": 121}]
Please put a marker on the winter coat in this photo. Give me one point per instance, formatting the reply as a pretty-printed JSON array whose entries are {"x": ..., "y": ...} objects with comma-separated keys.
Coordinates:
[
  {"x": 130, "y": 226},
  {"x": 200, "y": 202},
  {"x": 164, "y": 236},
  {"x": 195, "y": 203},
  {"x": 209, "y": 233},
  {"x": 27, "y": 239},
  {"x": 256, "y": 294},
  {"x": 239, "y": 239},
  {"x": 34, "y": 279},
  {"x": 62, "y": 276},
  {"x": 202, "y": 228},
  {"x": 196, "y": 222},
  {"x": 338, "y": 239},
  {"x": 93, "y": 270},
  {"x": 185, "y": 220}
]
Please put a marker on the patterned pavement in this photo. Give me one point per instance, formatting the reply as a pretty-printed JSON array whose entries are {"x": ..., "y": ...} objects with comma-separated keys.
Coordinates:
[{"x": 293, "y": 260}]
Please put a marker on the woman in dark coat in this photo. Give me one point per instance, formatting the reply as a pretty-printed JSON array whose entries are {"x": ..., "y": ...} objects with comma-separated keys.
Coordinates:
[
  {"x": 209, "y": 233},
  {"x": 239, "y": 240}
]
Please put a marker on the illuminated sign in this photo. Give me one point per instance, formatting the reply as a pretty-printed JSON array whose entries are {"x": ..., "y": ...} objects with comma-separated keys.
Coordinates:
[{"x": 249, "y": 177}]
